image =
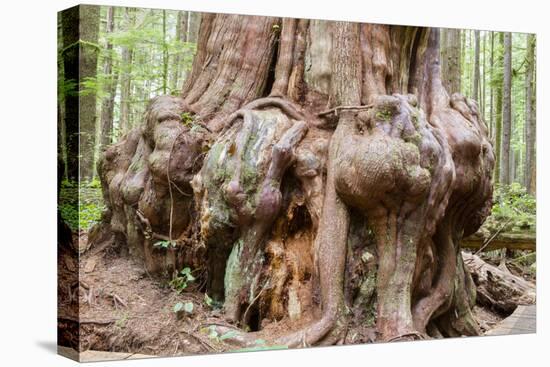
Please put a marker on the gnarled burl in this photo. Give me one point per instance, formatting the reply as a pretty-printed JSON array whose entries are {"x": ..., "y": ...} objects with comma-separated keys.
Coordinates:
[{"x": 316, "y": 175}]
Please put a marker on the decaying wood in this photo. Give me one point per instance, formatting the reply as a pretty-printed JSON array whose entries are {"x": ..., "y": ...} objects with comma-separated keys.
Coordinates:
[
  {"x": 510, "y": 241},
  {"x": 496, "y": 288}
]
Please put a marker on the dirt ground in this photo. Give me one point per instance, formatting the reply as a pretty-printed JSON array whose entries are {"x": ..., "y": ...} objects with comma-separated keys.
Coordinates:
[{"x": 124, "y": 309}]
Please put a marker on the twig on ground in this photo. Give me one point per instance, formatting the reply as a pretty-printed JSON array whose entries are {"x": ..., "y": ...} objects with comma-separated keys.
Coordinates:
[
  {"x": 86, "y": 321},
  {"x": 493, "y": 237},
  {"x": 204, "y": 343},
  {"x": 254, "y": 300},
  {"x": 117, "y": 299},
  {"x": 90, "y": 296}
]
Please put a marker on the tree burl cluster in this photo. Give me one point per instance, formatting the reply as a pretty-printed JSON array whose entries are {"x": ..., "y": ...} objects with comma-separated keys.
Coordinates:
[{"x": 316, "y": 174}]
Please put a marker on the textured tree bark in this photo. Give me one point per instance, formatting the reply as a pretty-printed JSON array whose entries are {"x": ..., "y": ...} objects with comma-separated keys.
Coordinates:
[
  {"x": 181, "y": 36},
  {"x": 475, "y": 86},
  {"x": 450, "y": 59},
  {"x": 498, "y": 109},
  {"x": 491, "y": 89},
  {"x": 80, "y": 28},
  {"x": 320, "y": 168},
  {"x": 108, "y": 103},
  {"x": 126, "y": 78},
  {"x": 70, "y": 34},
  {"x": 505, "y": 173},
  {"x": 89, "y": 51},
  {"x": 530, "y": 121}
]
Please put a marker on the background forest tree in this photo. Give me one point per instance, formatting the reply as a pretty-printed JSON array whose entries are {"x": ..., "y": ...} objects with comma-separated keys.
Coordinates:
[
  {"x": 146, "y": 52},
  {"x": 498, "y": 70},
  {"x": 137, "y": 54},
  {"x": 140, "y": 53}
]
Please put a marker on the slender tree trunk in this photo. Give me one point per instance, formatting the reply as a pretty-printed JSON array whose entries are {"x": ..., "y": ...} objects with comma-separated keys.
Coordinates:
[
  {"x": 69, "y": 53},
  {"x": 530, "y": 121},
  {"x": 89, "y": 33},
  {"x": 450, "y": 59},
  {"x": 491, "y": 89},
  {"x": 108, "y": 104},
  {"x": 181, "y": 38},
  {"x": 483, "y": 100},
  {"x": 471, "y": 63},
  {"x": 164, "y": 55},
  {"x": 505, "y": 175},
  {"x": 80, "y": 36},
  {"x": 498, "y": 108},
  {"x": 476, "y": 84},
  {"x": 126, "y": 77},
  {"x": 61, "y": 95},
  {"x": 193, "y": 24}
]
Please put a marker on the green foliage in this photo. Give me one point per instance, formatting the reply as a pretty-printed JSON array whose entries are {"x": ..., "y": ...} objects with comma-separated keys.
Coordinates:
[
  {"x": 90, "y": 86},
  {"x": 491, "y": 79},
  {"x": 121, "y": 323},
  {"x": 179, "y": 282},
  {"x": 165, "y": 244},
  {"x": 260, "y": 344},
  {"x": 187, "y": 307},
  {"x": 513, "y": 208},
  {"x": 211, "y": 332},
  {"x": 208, "y": 300},
  {"x": 80, "y": 207},
  {"x": 159, "y": 61},
  {"x": 187, "y": 119},
  {"x": 94, "y": 184},
  {"x": 228, "y": 335},
  {"x": 384, "y": 115}
]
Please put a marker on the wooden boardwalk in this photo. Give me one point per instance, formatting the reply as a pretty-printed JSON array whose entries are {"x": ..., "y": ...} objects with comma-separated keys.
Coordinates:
[
  {"x": 522, "y": 321},
  {"x": 98, "y": 356}
]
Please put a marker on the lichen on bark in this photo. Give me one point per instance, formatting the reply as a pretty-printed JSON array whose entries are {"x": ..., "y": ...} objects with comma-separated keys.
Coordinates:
[{"x": 322, "y": 179}]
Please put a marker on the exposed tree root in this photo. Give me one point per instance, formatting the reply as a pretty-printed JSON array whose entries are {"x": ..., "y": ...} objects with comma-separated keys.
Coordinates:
[{"x": 310, "y": 228}]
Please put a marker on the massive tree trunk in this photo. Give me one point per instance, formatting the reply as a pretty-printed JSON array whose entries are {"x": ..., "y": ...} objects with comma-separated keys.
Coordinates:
[{"x": 318, "y": 173}]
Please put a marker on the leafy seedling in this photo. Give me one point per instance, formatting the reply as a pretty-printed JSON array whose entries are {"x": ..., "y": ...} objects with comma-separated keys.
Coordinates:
[
  {"x": 182, "y": 308},
  {"x": 180, "y": 282}
]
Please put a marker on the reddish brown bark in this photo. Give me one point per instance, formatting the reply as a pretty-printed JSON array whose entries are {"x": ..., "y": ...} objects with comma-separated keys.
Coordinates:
[{"x": 290, "y": 159}]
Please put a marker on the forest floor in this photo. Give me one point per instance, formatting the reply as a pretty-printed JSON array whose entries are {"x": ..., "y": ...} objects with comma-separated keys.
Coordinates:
[{"x": 124, "y": 309}]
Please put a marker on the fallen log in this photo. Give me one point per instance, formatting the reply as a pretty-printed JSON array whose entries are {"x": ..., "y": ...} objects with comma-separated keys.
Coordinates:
[
  {"x": 510, "y": 241},
  {"x": 498, "y": 289}
]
